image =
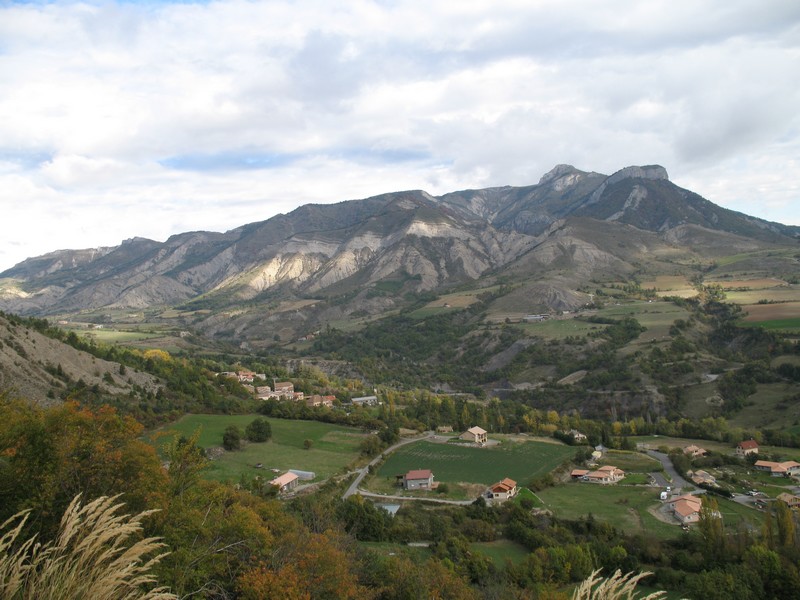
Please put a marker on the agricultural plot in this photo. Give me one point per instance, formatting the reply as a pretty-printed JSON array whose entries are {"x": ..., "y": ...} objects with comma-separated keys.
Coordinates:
[
  {"x": 670, "y": 285},
  {"x": 770, "y": 407},
  {"x": 454, "y": 463},
  {"x": 501, "y": 551},
  {"x": 333, "y": 447},
  {"x": 784, "y": 316}
]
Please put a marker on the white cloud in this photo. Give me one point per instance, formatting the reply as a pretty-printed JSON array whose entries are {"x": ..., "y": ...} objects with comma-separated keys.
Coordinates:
[{"x": 124, "y": 119}]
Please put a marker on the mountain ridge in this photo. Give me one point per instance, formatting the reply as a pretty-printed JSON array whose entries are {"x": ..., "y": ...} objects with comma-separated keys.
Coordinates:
[{"x": 410, "y": 241}]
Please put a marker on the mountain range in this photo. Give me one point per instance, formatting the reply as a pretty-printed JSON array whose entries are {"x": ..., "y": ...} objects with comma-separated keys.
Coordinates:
[{"x": 367, "y": 257}]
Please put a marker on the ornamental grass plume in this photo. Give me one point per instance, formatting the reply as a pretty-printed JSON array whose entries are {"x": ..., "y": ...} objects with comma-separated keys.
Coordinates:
[
  {"x": 91, "y": 557},
  {"x": 616, "y": 587}
]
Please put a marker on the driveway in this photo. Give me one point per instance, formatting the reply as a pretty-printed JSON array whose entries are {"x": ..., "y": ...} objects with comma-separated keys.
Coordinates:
[{"x": 678, "y": 482}]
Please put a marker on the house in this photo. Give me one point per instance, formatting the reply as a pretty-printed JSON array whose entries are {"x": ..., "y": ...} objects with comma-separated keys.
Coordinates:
[
  {"x": 283, "y": 388},
  {"x": 686, "y": 508},
  {"x": 420, "y": 479},
  {"x": 778, "y": 469},
  {"x": 502, "y": 490},
  {"x": 263, "y": 392},
  {"x": 286, "y": 482},
  {"x": 577, "y": 435},
  {"x": 605, "y": 475},
  {"x": 578, "y": 473},
  {"x": 746, "y": 447},
  {"x": 601, "y": 449},
  {"x": 365, "y": 401},
  {"x": 474, "y": 434},
  {"x": 700, "y": 477},
  {"x": 694, "y": 451},
  {"x": 317, "y": 400},
  {"x": 792, "y": 500}
]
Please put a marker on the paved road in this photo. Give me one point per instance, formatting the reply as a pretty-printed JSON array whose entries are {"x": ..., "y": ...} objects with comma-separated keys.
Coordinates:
[
  {"x": 363, "y": 472},
  {"x": 678, "y": 482}
]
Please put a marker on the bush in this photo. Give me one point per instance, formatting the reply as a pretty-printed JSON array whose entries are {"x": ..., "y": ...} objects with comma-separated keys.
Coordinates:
[
  {"x": 259, "y": 430},
  {"x": 232, "y": 438}
]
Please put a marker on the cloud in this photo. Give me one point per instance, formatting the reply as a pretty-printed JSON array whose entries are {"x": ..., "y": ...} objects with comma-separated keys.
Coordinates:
[{"x": 127, "y": 119}]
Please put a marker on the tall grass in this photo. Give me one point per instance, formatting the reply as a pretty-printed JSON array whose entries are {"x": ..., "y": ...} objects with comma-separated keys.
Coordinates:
[
  {"x": 91, "y": 557},
  {"x": 616, "y": 587}
]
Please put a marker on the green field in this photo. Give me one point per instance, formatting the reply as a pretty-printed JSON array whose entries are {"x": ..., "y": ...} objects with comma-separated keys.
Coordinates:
[
  {"x": 631, "y": 462},
  {"x": 333, "y": 449},
  {"x": 625, "y": 507},
  {"x": 520, "y": 461}
]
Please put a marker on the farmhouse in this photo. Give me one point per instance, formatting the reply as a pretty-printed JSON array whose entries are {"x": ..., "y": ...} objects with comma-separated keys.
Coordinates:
[
  {"x": 746, "y": 447},
  {"x": 365, "y": 401},
  {"x": 317, "y": 400},
  {"x": 686, "y": 508},
  {"x": 577, "y": 435},
  {"x": 792, "y": 500},
  {"x": 694, "y": 451},
  {"x": 605, "y": 475},
  {"x": 420, "y": 479},
  {"x": 778, "y": 469},
  {"x": 578, "y": 473},
  {"x": 474, "y": 434},
  {"x": 286, "y": 482},
  {"x": 502, "y": 490}
]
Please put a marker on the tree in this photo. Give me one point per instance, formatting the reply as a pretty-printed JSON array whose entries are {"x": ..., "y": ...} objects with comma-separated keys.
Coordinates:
[
  {"x": 307, "y": 444},
  {"x": 232, "y": 438},
  {"x": 259, "y": 430}
]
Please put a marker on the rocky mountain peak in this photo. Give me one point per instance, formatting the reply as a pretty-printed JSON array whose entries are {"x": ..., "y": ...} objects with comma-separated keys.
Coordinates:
[
  {"x": 634, "y": 172},
  {"x": 556, "y": 172}
]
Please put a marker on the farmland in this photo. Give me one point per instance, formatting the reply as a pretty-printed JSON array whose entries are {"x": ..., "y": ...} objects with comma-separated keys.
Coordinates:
[
  {"x": 451, "y": 463},
  {"x": 333, "y": 447}
]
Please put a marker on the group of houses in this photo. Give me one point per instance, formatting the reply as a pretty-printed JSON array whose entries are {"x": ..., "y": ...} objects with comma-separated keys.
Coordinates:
[
  {"x": 778, "y": 469},
  {"x": 423, "y": 479},
  {"x": 605, "y": 475}
]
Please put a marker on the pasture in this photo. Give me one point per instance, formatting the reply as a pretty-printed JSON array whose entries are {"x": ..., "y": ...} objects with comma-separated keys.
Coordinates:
[
  {"x": 451, "y": 463},
  {"x": 333, "y": 447},
  {"x": 631, "y": 462},
  {"x": 631, "y": 507}
]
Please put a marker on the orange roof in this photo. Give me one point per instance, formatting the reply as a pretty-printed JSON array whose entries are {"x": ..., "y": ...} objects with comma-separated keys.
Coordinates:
[
  {"x": 748, "y": 444},
  {"x": 505, "y": 485},
  {"x": 284, "y": 479},
  {"x": 579, "y": 472},
  {"x": 419, "y": 474}
]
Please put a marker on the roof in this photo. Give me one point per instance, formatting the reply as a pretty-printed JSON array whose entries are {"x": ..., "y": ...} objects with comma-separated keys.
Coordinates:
[
  {"x": 506, "y": 485},
  {"x": 476, "y": 430},
  {"x": 693, "y": 449},
  {"x": 284, "y": 479},
  {"x": 419, "y": 474},
  {"x": 578, "y": 472},
  {"x": 788, "y": 498},
  {"x": 748, "y": 444},
  {"x": 686, "y": 507}
]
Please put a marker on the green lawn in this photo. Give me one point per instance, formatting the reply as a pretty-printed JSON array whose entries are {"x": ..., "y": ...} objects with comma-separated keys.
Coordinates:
[
  {"x": 520, "y": 461},
  {"x": 623, "y": 506},
  {"x": 333, "y": 447}
]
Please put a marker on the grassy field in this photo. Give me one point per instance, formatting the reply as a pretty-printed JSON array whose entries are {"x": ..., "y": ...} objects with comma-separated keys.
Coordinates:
[
  {"x": 629, "y": 507},
  {"x": 767, "y": 408},
  {"x": 454, "y": 463},
  {"x": 333, "y": 447},
  {"x": 655, "y": 441},
  {"x": 657, "y": 317},
  {"x": 631, "y": 462},
  {"x": 625, "y": 507}
]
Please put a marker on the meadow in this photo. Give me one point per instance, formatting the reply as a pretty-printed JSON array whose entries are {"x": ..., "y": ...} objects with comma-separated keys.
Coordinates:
[
  {"x": 333, "y": 447},
  {"x": 630, "y": 507},
  {"x": 452, "y": 463}
]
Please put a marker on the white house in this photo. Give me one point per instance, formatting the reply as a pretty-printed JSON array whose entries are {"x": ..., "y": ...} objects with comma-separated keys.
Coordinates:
[
  {"x": 419, "y": 479},
  {"x": 502, "y": 490}
]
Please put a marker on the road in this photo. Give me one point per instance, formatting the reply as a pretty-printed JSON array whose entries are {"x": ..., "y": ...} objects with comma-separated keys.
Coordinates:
[
  {"x": 678, "y": 482},
  {"x": 363, "y": 471}
]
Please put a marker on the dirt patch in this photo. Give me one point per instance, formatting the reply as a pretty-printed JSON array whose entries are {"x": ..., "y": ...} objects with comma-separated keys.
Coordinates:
[{"x": 660, "y": 513}]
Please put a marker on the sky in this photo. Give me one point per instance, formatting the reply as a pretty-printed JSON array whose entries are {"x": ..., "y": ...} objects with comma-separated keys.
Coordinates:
[{"x": 121, "y": 119}]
